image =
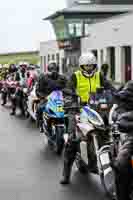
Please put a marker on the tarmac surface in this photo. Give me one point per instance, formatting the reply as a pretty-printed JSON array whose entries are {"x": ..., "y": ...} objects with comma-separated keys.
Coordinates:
[{"x": 29, "y": 170}]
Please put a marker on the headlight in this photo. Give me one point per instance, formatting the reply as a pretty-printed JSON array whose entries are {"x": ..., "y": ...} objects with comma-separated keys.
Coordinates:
[
  {"x": 25, "y": 90},
  {"x": 103, "y": 106}
]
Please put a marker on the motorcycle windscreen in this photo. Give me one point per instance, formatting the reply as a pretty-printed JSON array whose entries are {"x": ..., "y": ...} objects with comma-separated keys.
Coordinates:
[
  {"x": 93, "y": 117},
  {"x": 55, "y": 104}
]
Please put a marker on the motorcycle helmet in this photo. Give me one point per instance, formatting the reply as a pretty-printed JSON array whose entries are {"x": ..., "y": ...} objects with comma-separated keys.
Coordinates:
[
  {"x": 126, "y": 93},
  {"x": 105, "y": 68},
  {"x": 12, "y": 68},
  {"x": 28, "y": 74},
  {"x": 23, "y": 66},
  {"x": 88, "y": 64},
  {"x": 53, "y": 69}
]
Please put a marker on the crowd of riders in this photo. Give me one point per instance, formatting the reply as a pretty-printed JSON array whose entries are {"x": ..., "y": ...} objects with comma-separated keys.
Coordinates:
[
  {"x": 81, "y": 84},
  {"x": 14, "y": 79}
]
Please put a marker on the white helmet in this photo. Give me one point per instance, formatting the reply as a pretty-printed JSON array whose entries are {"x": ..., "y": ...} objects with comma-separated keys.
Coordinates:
[{"x": 88, "y": 64}]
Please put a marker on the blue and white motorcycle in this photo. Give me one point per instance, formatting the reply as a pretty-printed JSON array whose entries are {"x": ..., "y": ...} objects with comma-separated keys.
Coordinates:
[
  {"x": 54, "y": 119},
  {"x": 94, "y": 154}
]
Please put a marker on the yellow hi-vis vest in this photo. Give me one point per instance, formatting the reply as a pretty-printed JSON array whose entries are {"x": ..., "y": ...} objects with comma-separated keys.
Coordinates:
[{"x": 85, "y": 86}]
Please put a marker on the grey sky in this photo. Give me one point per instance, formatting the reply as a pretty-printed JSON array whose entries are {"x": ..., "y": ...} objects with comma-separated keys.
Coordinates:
[{"x": 22, "y": 27}]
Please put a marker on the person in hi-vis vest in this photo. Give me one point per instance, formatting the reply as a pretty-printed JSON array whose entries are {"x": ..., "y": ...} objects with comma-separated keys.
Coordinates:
[{"x": 83, "y": 82}]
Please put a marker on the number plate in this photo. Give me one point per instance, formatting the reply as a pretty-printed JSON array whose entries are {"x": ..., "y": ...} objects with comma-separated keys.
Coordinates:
[
  {"x": 104, "y": 157},
  {"x": 84, "y": 154},
  {"x": 104, "y": 106}
]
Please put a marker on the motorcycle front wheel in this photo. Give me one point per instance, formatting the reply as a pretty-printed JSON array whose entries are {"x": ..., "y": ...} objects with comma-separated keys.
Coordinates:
[
  {"x": 107, "y": 175},
  {"x": 59, "y": 140}
]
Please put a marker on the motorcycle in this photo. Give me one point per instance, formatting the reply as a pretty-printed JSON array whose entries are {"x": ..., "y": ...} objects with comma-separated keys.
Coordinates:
[
  {"x": 1, "y": 85},
  {"x": 116, "y": 142},
  {"x": 94, "y": 154},
  {"x": 54, "y": 121},
  {"x": 25, "y": 100},
  {"x": 8, "y": 89},
  {"x": 32, "y": 103}
]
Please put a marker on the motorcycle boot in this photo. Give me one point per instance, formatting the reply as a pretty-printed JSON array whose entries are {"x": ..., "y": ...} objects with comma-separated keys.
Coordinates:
[
  {"x": 14, "y": 106},
  {"x": 13, "y": 112},
  {"x": 69, "y": 157},
  {"x": 3, "y": 103},
  {"x": 66, "y": 173},
  {"x": 4, "y": 98},
  {"x": 21, "y": 106},
  {"x": 41, "y": 126}
]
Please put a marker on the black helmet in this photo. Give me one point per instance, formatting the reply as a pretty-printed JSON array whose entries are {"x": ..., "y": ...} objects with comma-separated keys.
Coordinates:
[
  {"x": 126, "y": 93},
  {"x": 23, "y": 70},
  {"x": 12, "y": 68},
  {"x": 53, "y": 67}
]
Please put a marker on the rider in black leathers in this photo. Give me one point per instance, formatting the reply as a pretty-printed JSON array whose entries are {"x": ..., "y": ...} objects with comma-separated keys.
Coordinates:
[
  {"x": 12, "y": 69},
  {"x": 17, "y": 99},
  {"x": 123, "y": 116},
  {"x": 45, "y": 85}
]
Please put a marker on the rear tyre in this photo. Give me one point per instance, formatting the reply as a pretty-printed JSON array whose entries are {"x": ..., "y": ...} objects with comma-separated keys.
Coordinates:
[{"x": 26, "y": 109}]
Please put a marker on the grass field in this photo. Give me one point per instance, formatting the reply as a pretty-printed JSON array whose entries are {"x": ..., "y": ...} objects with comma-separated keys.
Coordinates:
[{"x": 30, "y": 57}]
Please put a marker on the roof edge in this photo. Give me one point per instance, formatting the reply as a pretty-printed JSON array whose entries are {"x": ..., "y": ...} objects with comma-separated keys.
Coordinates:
[{"x": 67, "y": 11}]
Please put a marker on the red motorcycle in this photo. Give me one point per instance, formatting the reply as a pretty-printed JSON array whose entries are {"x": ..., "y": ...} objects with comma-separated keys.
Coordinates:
[{"x": 8, "y": 89}]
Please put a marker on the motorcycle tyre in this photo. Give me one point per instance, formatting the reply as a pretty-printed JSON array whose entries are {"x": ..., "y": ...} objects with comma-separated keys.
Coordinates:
[
  {"x": 59, "y": 141},
  {"x": 108, "y": 193},
  {"x": 27, "y": 115}
]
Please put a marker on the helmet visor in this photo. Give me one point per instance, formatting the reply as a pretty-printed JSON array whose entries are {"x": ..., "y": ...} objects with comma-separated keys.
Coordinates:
[{"x": 89, "y": 68}]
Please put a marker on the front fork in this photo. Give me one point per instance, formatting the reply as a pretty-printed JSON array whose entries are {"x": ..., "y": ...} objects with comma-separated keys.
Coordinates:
[
  {"x": 99, "y": 151},
  {"x": 96, "y": 146}
]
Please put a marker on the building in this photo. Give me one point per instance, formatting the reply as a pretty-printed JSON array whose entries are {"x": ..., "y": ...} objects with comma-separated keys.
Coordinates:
[
  {"x": 50, "y": 51},
  {"x": 120, "y": 2},
  {"x": 71, "y": 3},
  {"x": 72, "y": 24},
  {"x": 113, "y": 45},
  {"x": 102, "y": 26}
]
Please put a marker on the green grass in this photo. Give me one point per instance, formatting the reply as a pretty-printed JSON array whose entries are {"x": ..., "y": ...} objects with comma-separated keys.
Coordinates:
[{"x": 32, "y": 58}]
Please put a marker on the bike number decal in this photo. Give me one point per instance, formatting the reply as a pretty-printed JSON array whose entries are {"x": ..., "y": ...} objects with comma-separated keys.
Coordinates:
[{"x": 60, "y": 109}]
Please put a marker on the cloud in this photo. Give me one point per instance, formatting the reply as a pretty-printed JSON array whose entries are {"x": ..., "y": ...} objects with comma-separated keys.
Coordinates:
[{"x": 22, "y": 27}]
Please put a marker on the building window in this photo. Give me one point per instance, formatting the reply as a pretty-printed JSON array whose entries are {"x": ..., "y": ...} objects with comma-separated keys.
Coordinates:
[
  {"x": 53, "y": 57},
  {"x": 58, "y": 58},
  {"x": 44, "y": 64},
  {"x": 48, "y": 57},
  {"x": 112, "y": 62},
  {"x": 75, "y": 29},
  {"x": 102, "y": 56},
  {"x": 41, "y": 59},
  {"x": 44, "y": 60},
  {"x": 64, "y": 65},
  {"x": 127, "y": 62}
]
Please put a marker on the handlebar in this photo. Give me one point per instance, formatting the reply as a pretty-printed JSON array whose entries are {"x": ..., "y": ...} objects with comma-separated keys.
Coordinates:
[{"x": 72, "y": 107}]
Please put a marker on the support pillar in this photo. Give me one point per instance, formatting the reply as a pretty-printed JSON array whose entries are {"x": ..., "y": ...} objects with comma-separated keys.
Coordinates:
[{"x": 119, "y": 65}]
